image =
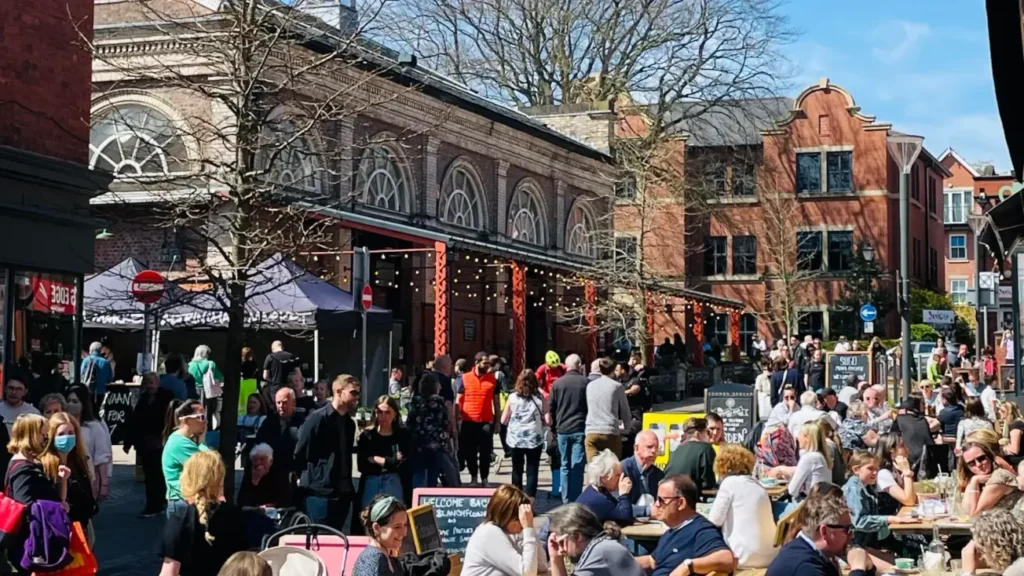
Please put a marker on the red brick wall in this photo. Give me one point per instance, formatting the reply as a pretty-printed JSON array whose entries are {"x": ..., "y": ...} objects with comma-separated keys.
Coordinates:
[{"x": 45, "y": 77}]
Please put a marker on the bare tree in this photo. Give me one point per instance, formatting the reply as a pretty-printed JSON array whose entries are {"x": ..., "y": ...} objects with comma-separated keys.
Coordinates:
[
  {"x": 789, "y": 268},
  {"x": 272, "y": 90}
]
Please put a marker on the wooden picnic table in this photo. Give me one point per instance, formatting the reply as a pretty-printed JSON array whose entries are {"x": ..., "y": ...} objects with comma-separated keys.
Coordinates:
[
  {"x": 926, "y": 526},
  {"x": 774, "y": 492},
  {"x": 650, "y": 531}
]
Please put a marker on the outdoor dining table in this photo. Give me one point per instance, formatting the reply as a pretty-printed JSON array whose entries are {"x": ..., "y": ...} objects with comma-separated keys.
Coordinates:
[
  {"x": 774, "y": 492},
  {"x": 943, "y": 522}
]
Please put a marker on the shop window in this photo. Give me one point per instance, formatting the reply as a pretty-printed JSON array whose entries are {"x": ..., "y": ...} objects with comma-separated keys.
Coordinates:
[
  {"x": 44, "y": 322},
  {"x": 718, "y": 328},
  {"x": 715, "y": 256},
  {"x": 812, "y": 323},
  {"x": 748, "y": 331}
]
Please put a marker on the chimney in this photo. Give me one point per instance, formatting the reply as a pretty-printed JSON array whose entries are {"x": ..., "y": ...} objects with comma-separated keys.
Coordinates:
[
  {"x": 339, "y": 14},
  {"x": 988, "y": 170}
]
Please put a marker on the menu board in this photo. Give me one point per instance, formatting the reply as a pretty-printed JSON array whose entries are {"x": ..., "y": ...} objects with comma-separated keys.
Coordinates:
[
  {"x": 458, "y": 511},
  {"x": 697, "y": 379},
  {"x": 736, "y": 404},
  {"x": 119, "y": 401},
  {"x": 842, "y": 364},
  {"x": 424, "y": 529},
  {"x": 741, "y": 373}
]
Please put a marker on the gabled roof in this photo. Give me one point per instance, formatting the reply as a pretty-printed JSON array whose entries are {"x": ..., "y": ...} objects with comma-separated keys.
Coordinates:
[
  {"x": 950, "y": 152},
  {"x": 726, "y": 123}
]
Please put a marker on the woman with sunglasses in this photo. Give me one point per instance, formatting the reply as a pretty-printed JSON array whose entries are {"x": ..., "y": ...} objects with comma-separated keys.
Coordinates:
[
  {"x": 184, "y": 429},
  {"x": 986, "y": 479}
]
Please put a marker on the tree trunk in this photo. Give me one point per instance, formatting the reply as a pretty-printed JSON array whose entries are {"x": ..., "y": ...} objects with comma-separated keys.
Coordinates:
[{"x": 232, "y": 384}]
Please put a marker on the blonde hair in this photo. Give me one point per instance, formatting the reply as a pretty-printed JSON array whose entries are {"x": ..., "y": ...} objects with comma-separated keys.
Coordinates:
[
  {"x": 246, "y": 564},
  {"x": 861, "y": 458},
  {"x": 27, "y": 436},
  {"x": 817, "y": 441},
  {"x": 78, "y": 459},
  {"x": 999, "y": 536},
  {"x": 202, "y": 483}
]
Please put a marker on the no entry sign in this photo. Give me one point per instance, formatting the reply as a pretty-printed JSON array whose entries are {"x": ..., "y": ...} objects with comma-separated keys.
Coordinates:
[
  {"x": 148, "y": 287},
  {"x": 367, "y": 297}
]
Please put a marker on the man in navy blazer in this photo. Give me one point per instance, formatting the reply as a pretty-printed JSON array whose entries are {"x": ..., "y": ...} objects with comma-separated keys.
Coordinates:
[
  {"x": 825, "y": 537},
  {"x": 641, "y": 470}
]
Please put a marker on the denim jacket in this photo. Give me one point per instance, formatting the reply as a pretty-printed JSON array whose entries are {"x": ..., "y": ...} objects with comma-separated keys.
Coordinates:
[{"x": 869, "y": 526}]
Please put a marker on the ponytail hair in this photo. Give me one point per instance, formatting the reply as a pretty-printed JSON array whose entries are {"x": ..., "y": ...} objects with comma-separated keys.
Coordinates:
[{"x": 177, "y": 410}]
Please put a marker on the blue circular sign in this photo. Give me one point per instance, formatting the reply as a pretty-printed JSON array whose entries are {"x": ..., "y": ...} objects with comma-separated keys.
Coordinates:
[{"x": 868, "y": 313}]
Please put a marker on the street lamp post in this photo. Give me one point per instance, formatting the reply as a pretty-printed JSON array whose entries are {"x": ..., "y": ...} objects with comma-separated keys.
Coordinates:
[
  {"x": 904, "y": 149},
  {"x": 868, "y": 254},
  {"x": 977, "y": 222}
]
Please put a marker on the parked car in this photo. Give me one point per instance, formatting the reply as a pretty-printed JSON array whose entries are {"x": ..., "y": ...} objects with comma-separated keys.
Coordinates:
[{"x": 923, "y": 353}]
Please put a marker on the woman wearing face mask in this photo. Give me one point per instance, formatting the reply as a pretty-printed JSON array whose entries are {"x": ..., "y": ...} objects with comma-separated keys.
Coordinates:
[
  {"x": 26, "y": 481},
  {"x": 96, "y": 437},
  {"x": 577, "y": 535},
  {"x": 386, "y": 523},
  {"x": 65, "y": 449},
  {"x": 184, "y": 429}
]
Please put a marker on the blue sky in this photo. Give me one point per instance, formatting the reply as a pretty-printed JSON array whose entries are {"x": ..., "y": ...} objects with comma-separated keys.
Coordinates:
[{"x": 922, "y": 65}]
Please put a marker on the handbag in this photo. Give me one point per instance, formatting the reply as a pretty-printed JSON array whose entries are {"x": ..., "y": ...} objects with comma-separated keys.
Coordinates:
[
  {"x": 212, "y": 388},
  {"x": 430, "y": 563},
  {"x": 83, "y": 561},
  {"x": 12, "y": 512}
]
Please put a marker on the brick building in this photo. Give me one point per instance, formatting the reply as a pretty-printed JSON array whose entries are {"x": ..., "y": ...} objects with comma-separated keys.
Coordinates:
[
  {"x": 961, "y": 191},
  {"x": 46, "y": 232},
  {"x": 801, "y": 185},
  {"x": 470, "y": 222}
]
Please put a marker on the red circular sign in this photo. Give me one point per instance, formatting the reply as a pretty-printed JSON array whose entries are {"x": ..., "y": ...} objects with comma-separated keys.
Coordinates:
[
  {"x": 367, "y": 297},
  {"x": 148, "y": 287}
]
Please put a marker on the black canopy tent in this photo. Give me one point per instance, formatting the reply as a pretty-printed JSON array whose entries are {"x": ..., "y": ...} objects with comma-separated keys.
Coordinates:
[{"x": 282, "y": 297}]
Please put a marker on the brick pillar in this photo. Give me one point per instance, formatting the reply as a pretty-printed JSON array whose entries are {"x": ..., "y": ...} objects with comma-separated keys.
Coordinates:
[
  {"x": 501, "y": 170},
  {"x": 559, "y": 227},
  {"x": 431, "y": 185},
  {"x": 697, "y": 333},
  {"x": 441, "y": 308},
  {"x": 734, "y": 335},
  {"x": 518, "y": 317},
  {"x": 590, "y": 290}
]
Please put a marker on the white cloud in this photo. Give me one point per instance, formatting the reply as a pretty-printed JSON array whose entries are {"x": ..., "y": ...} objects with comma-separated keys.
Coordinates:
[{"x": 897, "y": 40}]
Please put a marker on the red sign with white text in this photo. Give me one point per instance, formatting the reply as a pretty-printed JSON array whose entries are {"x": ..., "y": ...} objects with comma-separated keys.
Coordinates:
[{"x": 54, "y": 297}]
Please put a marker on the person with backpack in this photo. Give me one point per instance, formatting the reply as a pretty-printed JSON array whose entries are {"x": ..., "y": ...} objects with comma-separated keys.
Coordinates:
[
  {"x": 96, "y": 372},
  {"x": 208, "y": 381}
]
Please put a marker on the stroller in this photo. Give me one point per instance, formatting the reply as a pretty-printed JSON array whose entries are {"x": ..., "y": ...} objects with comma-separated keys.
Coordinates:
[{"x": 291, "y": 560}]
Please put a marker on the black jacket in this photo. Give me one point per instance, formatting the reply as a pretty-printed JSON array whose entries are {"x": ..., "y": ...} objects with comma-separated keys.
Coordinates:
[
  {"x": 145, "y": 423},
  {"x": 568, "y": 403},
  {"x": 283, "y": 442},
  {"x": 324, "y": 453}
]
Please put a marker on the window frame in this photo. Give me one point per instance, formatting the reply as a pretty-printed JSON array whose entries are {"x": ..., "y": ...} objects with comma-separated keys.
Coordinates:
[
  {"x": 965, "y": 200},
  {"x": 848, "y": 260},
  {"x": 846, "y": 187},
  {"x": 953, "y": 293},
  {"x": 844, "y": 182},
  {"x": 744, "y": 263},
  {"x": 806, "y": 326},
  {"x": 627, "y": 252},
  {"x": 915, "y": 184},
  {"x": 800, "y": 189},
  {"x": 715, "y": 263},
  {"x": 800, "y": 260},
  {"x": 952, "y": 257},
  {"x": 747, "y": 333}
]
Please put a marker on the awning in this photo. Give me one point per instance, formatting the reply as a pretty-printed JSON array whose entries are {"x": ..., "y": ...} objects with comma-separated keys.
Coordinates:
[
  {"x": 1007, "y": 51},
  {"x": 1004, "y": 227}
]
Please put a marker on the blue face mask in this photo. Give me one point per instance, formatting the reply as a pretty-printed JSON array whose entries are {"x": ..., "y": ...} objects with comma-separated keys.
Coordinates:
[{"x": 64, "y": 444}]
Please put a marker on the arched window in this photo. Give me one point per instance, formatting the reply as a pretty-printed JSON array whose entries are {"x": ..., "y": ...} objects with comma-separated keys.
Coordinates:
[
  {"x": 526, "y": 221},
  {"x": 133, "y": 141},
  {"x": 294, "y": 166},
  {"x": 579, "y": 232},
  {"x": 461, "y": 194},
  {"x": 383, "y": 180}
]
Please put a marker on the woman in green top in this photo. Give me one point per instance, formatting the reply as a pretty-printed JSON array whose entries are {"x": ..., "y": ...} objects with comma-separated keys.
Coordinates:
[
  {"x": 198, "y": 368},
  {"x": 184, "y": 430}
]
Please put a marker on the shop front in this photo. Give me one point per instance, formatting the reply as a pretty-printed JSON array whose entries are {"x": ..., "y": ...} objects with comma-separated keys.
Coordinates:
[{"x": 46, "y": 249}]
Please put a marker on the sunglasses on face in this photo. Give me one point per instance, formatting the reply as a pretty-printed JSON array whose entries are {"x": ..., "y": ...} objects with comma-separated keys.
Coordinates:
[
  {"x": 844, "y": 527},
  {"x": 977, "y": 461},
  {"x": 660, "y": 501}
]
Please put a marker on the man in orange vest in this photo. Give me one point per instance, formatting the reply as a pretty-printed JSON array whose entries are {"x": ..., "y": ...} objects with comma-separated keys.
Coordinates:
[{"x": 480, "y": 406}]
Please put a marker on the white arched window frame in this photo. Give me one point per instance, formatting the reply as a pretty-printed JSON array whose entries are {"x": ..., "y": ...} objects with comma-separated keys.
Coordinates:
[
  {"x": 526, "y": 216},
  {"x": 294, "y": 166},
  {"x": 136, "y": 140},
  {"x": 383, "y": 179},
  {"x": 462, "y": 197},
  {"x": 580, "y": 231}
]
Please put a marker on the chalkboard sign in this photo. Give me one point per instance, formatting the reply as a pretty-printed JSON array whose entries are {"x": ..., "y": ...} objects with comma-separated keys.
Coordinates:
[
  {"x": 117, "y": 404},
  {"x": 740, "y": 373},
  {"x": 842, "y": 364},
  {"x": 697, "y": 379},
  {"x": 423, "y": 526},
  {"x": 458, "y": 511},
  {"x": 736, "y": 404}
]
